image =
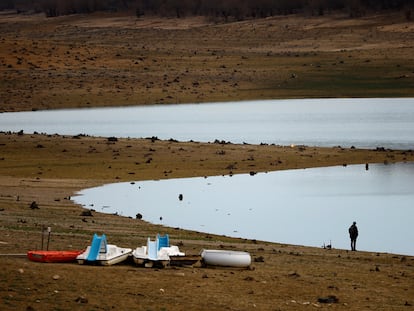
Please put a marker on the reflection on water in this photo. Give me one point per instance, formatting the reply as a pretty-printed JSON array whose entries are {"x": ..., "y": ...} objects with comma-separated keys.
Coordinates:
[
  {"x": 364, "y": 123},
  {"x": 306, "y": 207}
]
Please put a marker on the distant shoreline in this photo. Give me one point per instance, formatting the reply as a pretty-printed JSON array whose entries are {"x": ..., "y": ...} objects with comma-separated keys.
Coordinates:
[{"x": 49, "y": 66}]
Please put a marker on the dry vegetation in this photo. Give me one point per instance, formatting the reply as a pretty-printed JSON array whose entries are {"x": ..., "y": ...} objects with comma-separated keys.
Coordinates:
[
  {"x": 85, "y": 61},
  {"x": 88, "y": 61}
]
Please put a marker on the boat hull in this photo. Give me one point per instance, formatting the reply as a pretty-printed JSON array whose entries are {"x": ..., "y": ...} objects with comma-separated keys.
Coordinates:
[
  {"x": 53, "y": 256},
  {"x": 113, "y": 256},
  {"x": 141, "y": 257},
  {"x": 226, "y": 258},
  {"x": 105, "y": 262},
  {"x": 152, "y": 255}
]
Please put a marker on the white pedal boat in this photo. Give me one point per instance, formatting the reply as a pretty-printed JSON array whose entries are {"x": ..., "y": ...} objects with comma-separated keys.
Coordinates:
[
  {"x": 226, "y": 258},
  {"x": 101, "y": 253},
  {"x": 156, "y": 252}
]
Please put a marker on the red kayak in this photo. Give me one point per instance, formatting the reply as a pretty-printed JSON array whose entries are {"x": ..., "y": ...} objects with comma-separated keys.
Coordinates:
[{"x": 53, "y": 256}]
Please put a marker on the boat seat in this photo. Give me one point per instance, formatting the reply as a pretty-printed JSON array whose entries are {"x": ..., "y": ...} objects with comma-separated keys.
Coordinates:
[
  {"x": 98, "y": 246},
  {"x": 152, "y": 249},
  {"x": 163, "y": 241}
]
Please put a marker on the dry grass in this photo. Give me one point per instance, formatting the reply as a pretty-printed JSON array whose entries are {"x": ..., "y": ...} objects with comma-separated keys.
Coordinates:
[{"x": 85, "y": 61}]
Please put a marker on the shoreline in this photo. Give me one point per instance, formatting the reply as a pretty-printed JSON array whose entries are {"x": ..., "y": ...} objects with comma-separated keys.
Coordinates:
[
  {"x": 50, "y": 169},
  {"x": 168, "y": 219},
  {"x": 301, "y": 274}
]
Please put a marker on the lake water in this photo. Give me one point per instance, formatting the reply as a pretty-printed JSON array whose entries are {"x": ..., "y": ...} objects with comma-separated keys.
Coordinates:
[
  {"x": 365, "y": 123},
  {"x": 306, "y": 207}
]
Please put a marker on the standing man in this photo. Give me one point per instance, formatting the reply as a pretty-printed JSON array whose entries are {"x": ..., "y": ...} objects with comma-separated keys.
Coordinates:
[{"x": 353, "y": 234}]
